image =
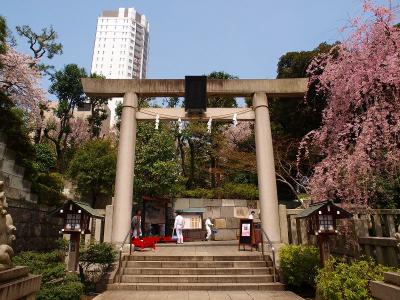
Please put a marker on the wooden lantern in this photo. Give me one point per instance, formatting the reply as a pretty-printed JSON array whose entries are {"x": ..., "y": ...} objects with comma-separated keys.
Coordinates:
[
  {"x": 76, "y": 216},
  {"x": 322, "y": 221}
]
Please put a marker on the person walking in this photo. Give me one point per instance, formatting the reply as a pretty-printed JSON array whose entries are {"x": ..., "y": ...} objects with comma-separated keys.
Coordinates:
[
  {"x": 208, "y": 228},
  {"x": 178, "y": 227},
  {"x": 136, "y": 224}
]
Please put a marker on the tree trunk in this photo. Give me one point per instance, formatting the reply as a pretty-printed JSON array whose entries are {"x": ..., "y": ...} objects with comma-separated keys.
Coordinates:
[
  {"x": 190, "y": 182},
  {"x": 182, "y": 154}
]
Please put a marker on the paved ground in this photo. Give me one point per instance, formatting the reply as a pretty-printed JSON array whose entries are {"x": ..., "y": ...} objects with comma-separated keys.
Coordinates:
[{"x": 197, "y": 295}]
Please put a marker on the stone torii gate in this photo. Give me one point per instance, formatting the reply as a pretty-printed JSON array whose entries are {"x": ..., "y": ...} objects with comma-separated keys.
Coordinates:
[{"x": 131, "y": 89}]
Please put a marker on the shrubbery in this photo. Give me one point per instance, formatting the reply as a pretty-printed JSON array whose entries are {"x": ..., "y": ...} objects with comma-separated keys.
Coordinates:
[
  {"x": 94, "y": 262},
  {"x": 340, "y": 280},
  {"x": 228, "y": 191},
  {"x": 299, "y": 265},
  {"x": 56, "y": 283}
]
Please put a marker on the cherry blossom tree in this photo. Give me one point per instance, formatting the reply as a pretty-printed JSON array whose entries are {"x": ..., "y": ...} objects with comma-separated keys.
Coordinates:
[
  {"x": 20, "y": 81},
  {"x": 359, "y": 140}
]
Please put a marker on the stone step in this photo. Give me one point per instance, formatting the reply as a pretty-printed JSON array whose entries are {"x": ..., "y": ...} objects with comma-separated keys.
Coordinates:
[
  {"x": 195, "y": 258},
  {"x": 197, "y": 271},
  {"x": 196, "y": 264},
  {"x": 196, "y": 279},
  {"x": 198, "y": 286},
  {"x": 392, "y": 278},
  {"x": 384, "y": 291}
]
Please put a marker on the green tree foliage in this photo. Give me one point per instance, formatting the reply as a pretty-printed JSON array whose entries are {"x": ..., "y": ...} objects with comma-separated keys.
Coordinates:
[
  {"x": 40, "y": 44},
  {"x": 92, "y": 169},
  {"x": 94, "y": 262},
  {"x": 45, "y": 158},
  {"x": 67, "y": 86},
  {"x": 43, "y": 43},
  {"x": 227, "y": 191},
  {"x": 340, "y": 280},
  {"x": 225, "y": 101},
  {"x": 292, "y": 118},
  {"x": 296, "y": 117},
  {"x": 49, "y": 187},
  {"x": 294, "y": 64},
  {"x": 215, "y": 138},
  {"x": 99, "y": 112},
  {"x": 199, "y": 151},
  {"x": 15, "y": 127},
  {"x": 56, "y": 283},
  {"x": 3, "y": 35},
  {"x": 299, "y": 265},
  {"x": 157, "y": 172}
]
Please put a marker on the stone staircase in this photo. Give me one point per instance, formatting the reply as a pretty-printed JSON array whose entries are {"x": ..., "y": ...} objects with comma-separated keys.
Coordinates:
[
  {"x": 388, "y": 289},
  {"x": 195, "y": 273},
  {"x": 13, "y": 175}
]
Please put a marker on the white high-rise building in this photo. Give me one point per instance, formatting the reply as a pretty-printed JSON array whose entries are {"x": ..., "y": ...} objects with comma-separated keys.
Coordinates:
[{"x": 121, "y": 47}]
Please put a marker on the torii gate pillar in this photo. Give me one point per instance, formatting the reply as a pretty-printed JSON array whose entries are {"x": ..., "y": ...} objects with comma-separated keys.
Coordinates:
[
  {"x": 268, "y": 195},
  {"x": 121, "y": 220}
]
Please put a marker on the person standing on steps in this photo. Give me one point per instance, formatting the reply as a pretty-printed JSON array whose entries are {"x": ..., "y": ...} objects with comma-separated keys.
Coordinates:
[
  {"x": 251, "y": 216},
  {"x": 178, "y": 227},
  {"x": 208, "y": 228},
  {"x": 136, "y": 224}
]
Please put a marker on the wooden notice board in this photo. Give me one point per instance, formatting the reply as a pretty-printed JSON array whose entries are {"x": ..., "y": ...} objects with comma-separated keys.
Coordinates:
[{"x": 246, "y": 236}]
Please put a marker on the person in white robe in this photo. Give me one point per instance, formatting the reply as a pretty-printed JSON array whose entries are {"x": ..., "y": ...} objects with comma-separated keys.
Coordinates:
[{"x": 178, "y": 227}]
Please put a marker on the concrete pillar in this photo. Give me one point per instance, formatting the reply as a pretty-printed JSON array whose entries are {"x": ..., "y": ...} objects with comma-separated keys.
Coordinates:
[
  {"x": 122, "y": 207},
  {"x": 108, "y": 223},
  {"x": 283, "y": 224},
  {"x": 268, "y": 195}
]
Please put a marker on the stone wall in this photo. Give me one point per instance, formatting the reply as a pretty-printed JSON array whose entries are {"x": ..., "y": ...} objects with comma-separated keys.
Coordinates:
[
  {"x": 224, "y": 213},
  {"x": 36, "y": 229}
]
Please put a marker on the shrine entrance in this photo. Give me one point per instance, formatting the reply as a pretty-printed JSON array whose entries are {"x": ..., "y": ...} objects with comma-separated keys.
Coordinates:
[{"x": 259, "y": 90}]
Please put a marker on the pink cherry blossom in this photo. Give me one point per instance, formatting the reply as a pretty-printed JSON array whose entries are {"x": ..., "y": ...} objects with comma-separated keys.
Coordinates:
[
  {"x": 359, "y": 140},
  {"x": 20, "y": 81}
]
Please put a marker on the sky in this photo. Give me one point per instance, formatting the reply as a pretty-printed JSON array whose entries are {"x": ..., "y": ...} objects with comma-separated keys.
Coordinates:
[{"x": 194, "y": 37}]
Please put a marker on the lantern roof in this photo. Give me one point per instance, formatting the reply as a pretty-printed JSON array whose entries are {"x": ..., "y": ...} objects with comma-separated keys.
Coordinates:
[
  {"x": 314, "y": 208},
  {"x": 85, "y": 207}
]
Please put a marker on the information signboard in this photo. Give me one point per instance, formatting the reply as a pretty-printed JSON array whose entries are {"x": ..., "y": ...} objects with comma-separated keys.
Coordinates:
[{"x": 246, "y": 236}]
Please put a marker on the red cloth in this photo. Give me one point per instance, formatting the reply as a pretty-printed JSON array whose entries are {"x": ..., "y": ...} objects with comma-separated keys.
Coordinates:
[{"x": 147, "y": 242}]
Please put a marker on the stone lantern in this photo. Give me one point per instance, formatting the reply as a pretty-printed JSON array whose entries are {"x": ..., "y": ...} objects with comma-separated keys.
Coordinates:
[{"x": 321, "y": 221}]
